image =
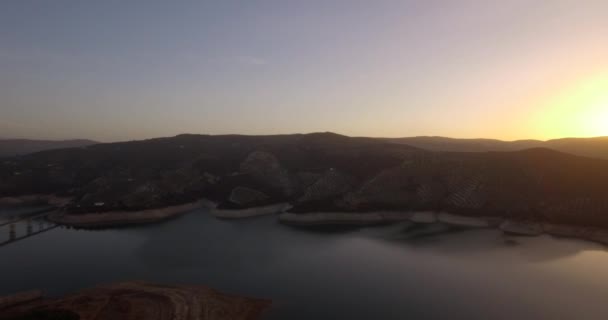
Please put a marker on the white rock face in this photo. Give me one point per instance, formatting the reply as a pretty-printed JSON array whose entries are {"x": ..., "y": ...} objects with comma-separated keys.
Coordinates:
[
  {"x": 424, "y": 217},
  {"x": 521, "y": 228},
  {"x": 463, "y": 221}
]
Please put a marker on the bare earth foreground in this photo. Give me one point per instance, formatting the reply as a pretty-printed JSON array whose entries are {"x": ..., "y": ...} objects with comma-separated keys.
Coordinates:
[{"x": 134, "y": 300}]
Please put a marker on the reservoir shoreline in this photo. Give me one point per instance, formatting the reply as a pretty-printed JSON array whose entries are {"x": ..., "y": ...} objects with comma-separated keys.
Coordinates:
[{"x": 128, "y": 218}]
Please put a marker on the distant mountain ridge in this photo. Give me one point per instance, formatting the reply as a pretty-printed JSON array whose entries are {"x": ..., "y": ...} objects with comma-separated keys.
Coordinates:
[
  {"x": 588, "y": 147},
  {"x": 15, "y": 147}
]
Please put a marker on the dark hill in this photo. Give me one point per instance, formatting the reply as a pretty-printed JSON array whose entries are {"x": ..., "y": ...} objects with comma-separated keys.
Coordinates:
[
  {"x": 316, "y": 172},
  {"x": 157, "y": 172},
  {"x": 588, "y": 147},
  {"x": 15, "y": 147}
]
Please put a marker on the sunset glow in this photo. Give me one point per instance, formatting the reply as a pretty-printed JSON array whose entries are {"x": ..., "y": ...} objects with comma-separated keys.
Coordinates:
[
  {"x": 506, "y": 70},
  {"x": 579, "y": 111}
]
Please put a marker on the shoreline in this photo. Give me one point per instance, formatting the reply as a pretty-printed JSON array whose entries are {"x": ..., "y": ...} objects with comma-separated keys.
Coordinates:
[
  {"x": 509, "y": 227},
  {"x": 115, "y": 218},
  {"x": 250, "y": 212},
  {"x": 592, "y": 234},
  {"x": 384, "y": 217},
  {"x": 463, "y": 221},
  {"x": 329, "y": 218},
  {"x": 130, "y": 218}
]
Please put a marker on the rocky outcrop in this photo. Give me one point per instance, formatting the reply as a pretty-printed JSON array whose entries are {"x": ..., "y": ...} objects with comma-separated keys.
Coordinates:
[
  {"x": 266, "y": 169},
  {"x": 467, "y": 194},
  {"x": 424, "y": 217},
  {"x": 246, "y": 197},
  {"x": 331, "y": 184},
  {"x": 140, "y": 300},
  {"x": 307, "y": 179},
  {"x": 391, "y": 187},
  {"x": 145, "y": 195}
]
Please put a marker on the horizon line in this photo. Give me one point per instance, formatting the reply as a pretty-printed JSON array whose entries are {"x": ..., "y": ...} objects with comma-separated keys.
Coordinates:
[{"x": 300, "y": 133}]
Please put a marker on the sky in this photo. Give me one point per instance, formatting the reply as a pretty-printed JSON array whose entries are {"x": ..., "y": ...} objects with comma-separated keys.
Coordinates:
[{"x": 118, "y": 70}]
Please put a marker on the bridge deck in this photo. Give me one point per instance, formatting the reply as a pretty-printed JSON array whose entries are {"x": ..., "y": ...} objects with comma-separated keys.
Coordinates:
[
  {"x": 38, "y": 215},
  {"x": 28, "y": 235},
  {"x": 31, "y": 215}
]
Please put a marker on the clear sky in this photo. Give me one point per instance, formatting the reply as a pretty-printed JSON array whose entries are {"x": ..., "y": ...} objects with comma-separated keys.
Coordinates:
[{"x": 120, "y": 70}]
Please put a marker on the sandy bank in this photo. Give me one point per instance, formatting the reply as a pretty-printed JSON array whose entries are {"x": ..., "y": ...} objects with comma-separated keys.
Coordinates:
[
  {"x": 463, "y": 221},
  {"x": 376, "y": 217},
  {"x": 317, "y": 218},
  {"x": 251, "y": 212},
  {"x": 114, "y": 218},
  {"x": 521, "y": 228},
  {"x": 424, "y": 217},
  {"x": 558, "y": 230},
  {"x": 428, "y": 217},
  {"x": 585, "y": 233}
]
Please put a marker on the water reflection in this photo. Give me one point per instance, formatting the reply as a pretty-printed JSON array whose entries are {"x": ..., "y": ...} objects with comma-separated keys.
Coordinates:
[
  {"x": 389, "y": 272},
  {"x": 458, "y": 241}
]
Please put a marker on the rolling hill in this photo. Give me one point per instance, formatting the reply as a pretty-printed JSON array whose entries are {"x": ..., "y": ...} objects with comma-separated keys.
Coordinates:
[
  {"x": 588, "y": 147},
  {"x": 15, "y": 147},
  {"x": 321, "y": 172}
]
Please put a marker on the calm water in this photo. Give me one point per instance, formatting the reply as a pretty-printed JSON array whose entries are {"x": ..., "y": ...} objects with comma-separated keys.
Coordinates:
[{"x": 391, "y": 272}]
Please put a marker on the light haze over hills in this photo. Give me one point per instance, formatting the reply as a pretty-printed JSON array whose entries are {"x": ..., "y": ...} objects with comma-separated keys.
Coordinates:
[
  {"x": 588, "y": 147},
  {"x": 14, "y": 147},
  {"x": 123, "y": 70}
]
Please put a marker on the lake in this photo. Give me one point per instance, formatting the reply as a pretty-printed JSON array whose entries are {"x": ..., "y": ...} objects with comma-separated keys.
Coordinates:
[{"x": 388, "y": 272}]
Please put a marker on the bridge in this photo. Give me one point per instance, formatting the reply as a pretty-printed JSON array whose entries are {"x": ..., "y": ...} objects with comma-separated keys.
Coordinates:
[{"x": 25, "y": 225}]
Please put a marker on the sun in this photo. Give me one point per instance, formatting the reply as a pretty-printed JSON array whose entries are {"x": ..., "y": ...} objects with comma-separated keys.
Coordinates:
[
  {"x": 594, "y": 112},
  {"x": 598, "y": 118},
  {"x": 580, "y": 110}
]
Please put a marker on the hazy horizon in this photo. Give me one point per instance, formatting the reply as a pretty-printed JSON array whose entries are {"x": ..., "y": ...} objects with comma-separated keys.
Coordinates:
[
  {"x": 303, "y": 133},
  {"x": 117, "y": 71}
]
